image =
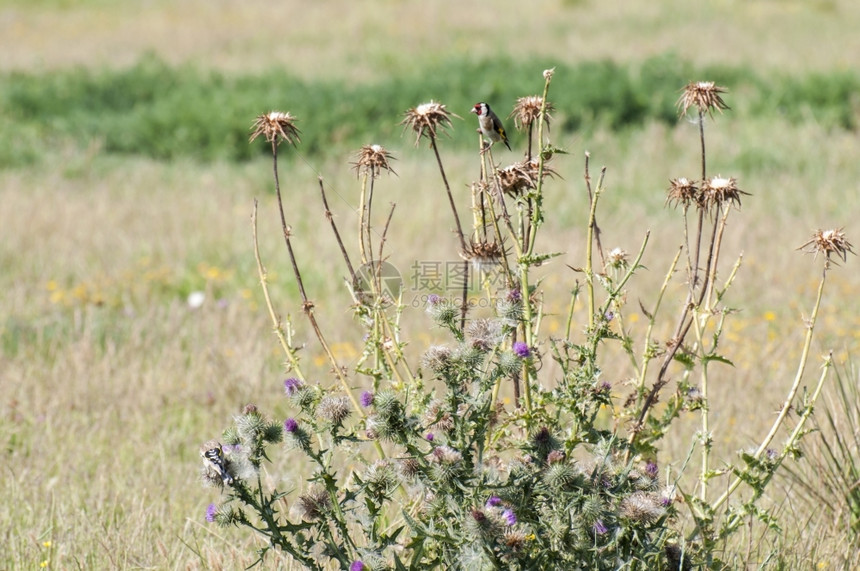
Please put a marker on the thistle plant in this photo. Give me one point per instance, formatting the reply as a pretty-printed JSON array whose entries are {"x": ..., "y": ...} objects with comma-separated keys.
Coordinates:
[{"x": 422, "y": 465}]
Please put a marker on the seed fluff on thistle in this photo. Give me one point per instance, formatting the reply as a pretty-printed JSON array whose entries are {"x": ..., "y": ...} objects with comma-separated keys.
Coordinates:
[{"x": 489, "y": 125}]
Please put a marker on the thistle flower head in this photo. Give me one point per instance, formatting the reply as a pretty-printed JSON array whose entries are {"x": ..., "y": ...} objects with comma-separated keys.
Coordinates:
[
  {"x": 276, "y": 126},
  {"x": 683, "y": 191},
  {"x": 372, "y": 160},
  {"x": 292, "y": 385},
  {"x": 426, "y": 119},
  {"x": 211, "y": 512},
  {"x": 521, "y": 350},
  {"x": 704, "y": 96},
  {"x": 438, "y": 359},
  {"x": 366, "y": 399},
  {"x": 829, "y": 242},
  {"x": 719, "y": 190},
  {"x": 527, "y": 111}
]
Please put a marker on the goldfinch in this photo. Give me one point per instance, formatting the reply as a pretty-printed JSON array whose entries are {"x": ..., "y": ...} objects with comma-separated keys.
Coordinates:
[
  {"x": 213, "y": 458},
  {"x": 490, "y": 125}
]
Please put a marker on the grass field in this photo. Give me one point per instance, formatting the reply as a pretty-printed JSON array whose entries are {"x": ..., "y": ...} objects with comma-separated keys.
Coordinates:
[{"x": 111, "y": 380}]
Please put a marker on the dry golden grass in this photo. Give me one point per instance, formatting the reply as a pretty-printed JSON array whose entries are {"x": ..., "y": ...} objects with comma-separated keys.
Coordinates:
[{"x": 365, "y": 39}]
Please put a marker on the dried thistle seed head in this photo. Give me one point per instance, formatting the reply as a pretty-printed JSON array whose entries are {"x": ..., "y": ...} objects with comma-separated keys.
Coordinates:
[
  {"x": 527, "y": 111},
  {"x": 276, "y": 126},
  {"x": 485, "y": 333},
  {"x": 683, "y": 191},
  {"x": 426, "y": 119},
  {"x": 483, "y": 254},
  {"x": 314, "y": 504},
  {"x": 704, "y": 96},
  {"x": 719, "y": 190},
  {"x": 515, "y": 539},
  {"x": 642, "y": 507},
  {"x": 522, "y": 176},
  {"x": 829, "y": 242},
  {"x": 438, "y": 358},
  {"x": 445, "y": 455},
  {"x": 334, "y": 409},
  {"x": 372, "y": 160}
]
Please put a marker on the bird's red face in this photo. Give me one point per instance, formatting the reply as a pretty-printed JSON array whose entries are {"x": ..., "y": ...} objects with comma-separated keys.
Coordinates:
[{"x": 478, "y": 108}]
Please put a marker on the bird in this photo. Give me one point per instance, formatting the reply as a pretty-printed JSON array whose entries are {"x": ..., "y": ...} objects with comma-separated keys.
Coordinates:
[
  {"x": 213, "y": 457},
  {"x": 490, "y": 124}
]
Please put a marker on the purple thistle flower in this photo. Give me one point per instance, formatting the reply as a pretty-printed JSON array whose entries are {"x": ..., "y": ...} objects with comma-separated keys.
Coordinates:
[
  {"x": 292, "y": 385},
  {"x": 433, "y": 299},
  {"x": 521, "y": 350},
  {"x": 211, "y": 510},
  {"x": 514, "y": 296},
  {"x": 599, "y": 528},
  {"x": 291, "y": 425},
  {"x": 651, "y": 469},
  {"x": 430, "y": 436},
  {"x": 493, "y": 501},
  {"x": 357, "y": 565},
  {"x": 510, "y": 516},
  {"x": 366, "y": 399}
]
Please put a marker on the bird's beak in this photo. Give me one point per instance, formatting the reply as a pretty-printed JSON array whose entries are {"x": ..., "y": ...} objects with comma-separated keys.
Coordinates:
[{"x": 473, "y": 110}]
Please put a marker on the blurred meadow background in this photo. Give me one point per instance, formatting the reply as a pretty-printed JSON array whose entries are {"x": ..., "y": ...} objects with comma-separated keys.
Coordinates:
[{"x": 127, "y": 184}]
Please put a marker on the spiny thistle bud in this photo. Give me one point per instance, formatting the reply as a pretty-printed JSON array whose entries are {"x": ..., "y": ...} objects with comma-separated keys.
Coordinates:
[
  {"x": 509, "y": 363},
  {"x": 561, "y": 477},
  {"x": 380, "y": 479},
  {"x": 334, "y": 409},
  {"x": 387, "y": 404},
  {"x": 224, "y": 516},
  {"x": 372, "y": 160},
  {"x": 510, "y": 307},
  {"x": 543, "y": 442},
  {"x": 443, "y": 311},
  {"x": 297, "y": 436},
  {"x": 276, "y": 126},
  {"x": 592, "y": 508},
  {"x": 704, "y": 96},
  {"x": 426, "y": 119}
]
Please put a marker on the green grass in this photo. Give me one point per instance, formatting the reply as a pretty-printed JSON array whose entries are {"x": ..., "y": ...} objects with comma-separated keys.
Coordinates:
[{"x": 163, "y": 112}]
